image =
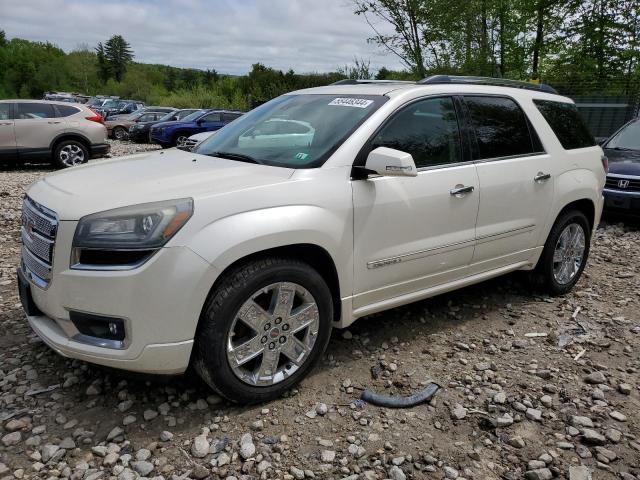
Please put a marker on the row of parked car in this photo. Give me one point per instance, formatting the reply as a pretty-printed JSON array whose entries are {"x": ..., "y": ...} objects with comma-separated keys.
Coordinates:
[{"x": 167, "y": 127}]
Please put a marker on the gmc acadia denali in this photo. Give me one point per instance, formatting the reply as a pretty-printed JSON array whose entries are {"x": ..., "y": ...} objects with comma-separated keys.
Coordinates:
[{"x": 317, "y": 208}]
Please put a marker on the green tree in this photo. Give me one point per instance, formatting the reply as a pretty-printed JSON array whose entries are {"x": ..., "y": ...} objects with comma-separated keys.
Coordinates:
[
  {"x": 103, "y": 68},
  {"x": 118, "y": 55}
]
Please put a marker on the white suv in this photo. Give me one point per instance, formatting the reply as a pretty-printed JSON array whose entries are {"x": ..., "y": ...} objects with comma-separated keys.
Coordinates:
[{"x": 240, "y": 257}]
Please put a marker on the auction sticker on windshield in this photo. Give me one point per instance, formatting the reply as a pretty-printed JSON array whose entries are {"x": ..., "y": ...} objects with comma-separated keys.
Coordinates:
[{"x": 351, "y": 102}]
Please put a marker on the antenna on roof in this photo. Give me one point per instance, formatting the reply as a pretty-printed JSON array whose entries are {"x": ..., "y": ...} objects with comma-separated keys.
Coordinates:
[{"x": 502, "y": 82}]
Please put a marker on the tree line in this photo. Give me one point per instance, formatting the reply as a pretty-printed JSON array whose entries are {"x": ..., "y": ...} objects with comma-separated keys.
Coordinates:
[
  {"x": 580, "y": 47},
  {"x": 574, "y": 44}
]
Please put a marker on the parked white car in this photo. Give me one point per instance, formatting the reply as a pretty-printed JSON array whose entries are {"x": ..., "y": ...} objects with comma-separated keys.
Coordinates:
[
  {"x": 239, "y": 260},
  {"x": 195, "y": 139}
]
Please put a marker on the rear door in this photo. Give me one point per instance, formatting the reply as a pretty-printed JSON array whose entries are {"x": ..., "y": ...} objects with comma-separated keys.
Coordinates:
[
  {"x": 7, "y": 134},
  {"x": 36, "y": 126},
  {"x": 516, "y": 187}
]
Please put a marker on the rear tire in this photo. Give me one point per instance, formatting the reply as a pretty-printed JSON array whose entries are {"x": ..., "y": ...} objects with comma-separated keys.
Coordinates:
[
  {"x": 70, "y": 153},
  {"x": 565, "y": 254},
  {"x": 119, "y": 133},
  {"x": 252, "y": 344}
]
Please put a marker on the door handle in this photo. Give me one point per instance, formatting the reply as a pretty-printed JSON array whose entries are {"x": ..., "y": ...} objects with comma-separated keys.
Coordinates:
[
  {"x": 3, "y": 124},
  {"x": 53, "y": 123},
  {"x": 461, "y": 190},
  {"x": 541, "y": 177}
]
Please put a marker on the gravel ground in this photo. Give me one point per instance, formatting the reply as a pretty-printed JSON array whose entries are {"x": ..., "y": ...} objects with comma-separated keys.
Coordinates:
[{"x": 532, "y": 387}]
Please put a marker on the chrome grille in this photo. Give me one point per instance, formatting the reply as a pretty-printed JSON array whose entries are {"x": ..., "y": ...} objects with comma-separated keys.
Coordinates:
[
  {"x": 189, "y": 144},
  {"x": 38, "y": 231},
  {"x": 621, "y": 183}
]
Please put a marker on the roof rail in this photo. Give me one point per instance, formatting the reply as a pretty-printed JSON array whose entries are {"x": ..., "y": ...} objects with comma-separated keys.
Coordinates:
[
  {"x": 501, "y": 82},
  {"x": 351, "y": 81}
]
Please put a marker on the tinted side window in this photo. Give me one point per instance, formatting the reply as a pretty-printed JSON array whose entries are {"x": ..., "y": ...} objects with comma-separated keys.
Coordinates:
[
  {"x": 5, "y": 111},
  {"x": 501, "y": 128},
  {"x": 65, "y": 111},
  {"x": 229, "y": 117},
  {"x": 427, "y": 129},
  {"x": 566, "y": 123},
  {"x": 212, "y": 117},
  {"x": 27, "y": 111}
]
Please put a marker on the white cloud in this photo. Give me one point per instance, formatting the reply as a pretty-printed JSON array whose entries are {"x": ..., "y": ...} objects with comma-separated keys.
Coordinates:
[{"x": 228, "y": 35}]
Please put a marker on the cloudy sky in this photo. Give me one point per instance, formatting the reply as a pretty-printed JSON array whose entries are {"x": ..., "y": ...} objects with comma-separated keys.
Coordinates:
[{"x": 228, "y": 35}]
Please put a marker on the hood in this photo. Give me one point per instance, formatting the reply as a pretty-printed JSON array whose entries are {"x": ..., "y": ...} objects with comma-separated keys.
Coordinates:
[
  {"x": 623, "y": 162},
  {"x": 148, "y": 177}
]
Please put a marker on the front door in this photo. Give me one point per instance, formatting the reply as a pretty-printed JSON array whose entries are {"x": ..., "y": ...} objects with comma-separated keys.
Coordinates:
[
  {"x": 515, "y": 181},
  {"x": 7, "y": 135},
  {"x": 415, "y": 233},
  {"x": 36, "y": 126}
]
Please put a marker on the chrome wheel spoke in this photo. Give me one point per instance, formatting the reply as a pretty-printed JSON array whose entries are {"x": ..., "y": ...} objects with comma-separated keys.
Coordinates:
[
  {"x": 245, "y": 352},
  {"x": 283, "y": 298},
  {"x": 268, "y": 365},
  {"x": 296, "y": 351},
  {"x": 303, "y": 317},
  {"x": 253, "y": 315}
]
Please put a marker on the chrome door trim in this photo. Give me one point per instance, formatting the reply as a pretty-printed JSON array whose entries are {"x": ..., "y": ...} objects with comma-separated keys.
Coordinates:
[{"x": 406, "y": 257}]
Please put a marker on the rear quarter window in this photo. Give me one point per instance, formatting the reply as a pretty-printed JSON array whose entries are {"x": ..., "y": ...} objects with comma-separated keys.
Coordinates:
[
  {"x": 566, "y": 123},
  {"x": 66, "y": 111}
]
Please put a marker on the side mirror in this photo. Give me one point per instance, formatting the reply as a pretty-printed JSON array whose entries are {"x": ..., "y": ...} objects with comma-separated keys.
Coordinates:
[{"x": 389, "y": 162}]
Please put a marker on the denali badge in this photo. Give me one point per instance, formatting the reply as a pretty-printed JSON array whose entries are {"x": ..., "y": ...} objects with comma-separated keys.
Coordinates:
[{"x": 623, "y": 183}]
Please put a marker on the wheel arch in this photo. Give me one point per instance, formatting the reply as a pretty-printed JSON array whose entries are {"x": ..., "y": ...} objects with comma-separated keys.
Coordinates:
[
  {"x": 316, "y": 256},
  {"x": 70, "y": 136}
]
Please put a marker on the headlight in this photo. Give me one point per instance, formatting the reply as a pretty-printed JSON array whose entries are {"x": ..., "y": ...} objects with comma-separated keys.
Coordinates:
[{"x": 126, "y": 237}]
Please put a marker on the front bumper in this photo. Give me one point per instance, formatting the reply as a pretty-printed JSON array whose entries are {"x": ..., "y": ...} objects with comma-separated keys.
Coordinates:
[
  {"x": 160, "y": 303},
  {"x": 621, "y": 200},
  {"x": 99, "y": 150},
  {"x": 159, "y": 139}
]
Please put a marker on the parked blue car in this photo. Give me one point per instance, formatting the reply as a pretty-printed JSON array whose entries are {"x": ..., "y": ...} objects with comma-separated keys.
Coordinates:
[{"x": 171, "y": 134}]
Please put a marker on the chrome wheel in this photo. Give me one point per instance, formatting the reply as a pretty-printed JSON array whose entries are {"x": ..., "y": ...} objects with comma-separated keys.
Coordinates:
[
  {"x": 181, "y": 140},
  {"x": 273, "y": 334},
  {"x": 71, "y": 155},
  {"x": 569, "y": 253}
]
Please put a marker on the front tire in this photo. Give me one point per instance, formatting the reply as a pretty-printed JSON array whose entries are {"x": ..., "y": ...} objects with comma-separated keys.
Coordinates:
[
  {"x": 263, "y": 329},
  {"x": 565, "y": 253},
  {"x": 70, "y": 153}
]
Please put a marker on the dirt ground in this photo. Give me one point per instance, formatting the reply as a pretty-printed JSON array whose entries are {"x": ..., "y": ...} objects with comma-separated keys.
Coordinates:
[{"x": 532, "y": 387}]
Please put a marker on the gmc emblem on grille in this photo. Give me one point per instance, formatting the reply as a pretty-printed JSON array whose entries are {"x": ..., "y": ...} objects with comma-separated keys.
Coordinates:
[{"x": 623, "y": 183}]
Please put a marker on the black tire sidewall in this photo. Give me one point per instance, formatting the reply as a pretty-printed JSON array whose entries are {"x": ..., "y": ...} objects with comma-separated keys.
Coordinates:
[
  {"x": 119, "y": 129},
  {"x": 545, "y": 266},
  {"x": 56, "y": 154},
  {"x": 211, "y": 357}
]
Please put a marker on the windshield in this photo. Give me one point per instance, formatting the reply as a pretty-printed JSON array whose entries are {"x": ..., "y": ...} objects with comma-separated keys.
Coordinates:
[
  {"x": 193, "y": 116},
  {"x": 628, "y": 138},
  {"x": 113, "y": 104},
  {"x": 294, "y": 131}
]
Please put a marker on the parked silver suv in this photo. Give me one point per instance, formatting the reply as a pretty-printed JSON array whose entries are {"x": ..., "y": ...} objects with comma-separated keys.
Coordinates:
[{"x": 58, "y": 132}]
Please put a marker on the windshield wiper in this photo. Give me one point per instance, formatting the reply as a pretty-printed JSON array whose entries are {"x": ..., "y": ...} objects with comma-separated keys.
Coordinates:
[
  {"x": 622, "y": 149},
  {"x": 235, "y": 156}
]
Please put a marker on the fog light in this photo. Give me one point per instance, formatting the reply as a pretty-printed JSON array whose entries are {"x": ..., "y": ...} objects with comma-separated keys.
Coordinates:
[{"x": 98, "y": 326}]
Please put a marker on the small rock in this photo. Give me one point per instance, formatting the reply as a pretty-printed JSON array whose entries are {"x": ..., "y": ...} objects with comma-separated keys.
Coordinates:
[
  {"x": 12, "y": 438},
  {"x": 396, "y": 473},
  {"x": 458, "y": 412},
  {"x": 580, "y": 472},
  {"x": 595, "y": 378},
  {"x": 592, "y": 437},
  {"x": 624, "y": 388},
  {"x": 165, "y": 436},
  {"x": 327, "y": 456},
  {"x": 200, "y": 447},
  {"x": 618, "y": 416},
  {"x": 142, "y": 467},
  {"x": 539, "y": 474}
]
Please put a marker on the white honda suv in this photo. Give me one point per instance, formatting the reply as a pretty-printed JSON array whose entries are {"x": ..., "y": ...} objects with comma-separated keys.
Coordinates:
[{"x": 320, "y": 207}]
